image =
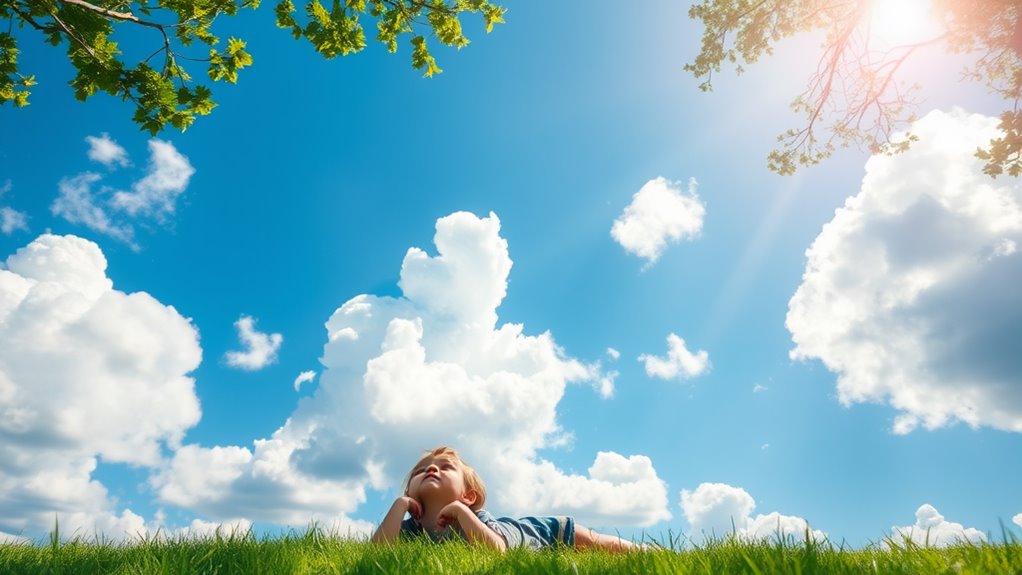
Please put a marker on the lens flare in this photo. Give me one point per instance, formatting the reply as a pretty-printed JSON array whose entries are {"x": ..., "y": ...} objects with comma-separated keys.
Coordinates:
[{"x": 896, "y": 23}]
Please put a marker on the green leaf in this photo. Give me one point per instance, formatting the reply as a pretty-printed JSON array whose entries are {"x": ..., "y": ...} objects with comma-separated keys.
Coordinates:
[
  {"x": 493, "y": 15},
  {"x": 285, "y": 18},
  {"x": 447, "y": 28},
  {"x": 225, "y": 65},
  {"x": 422, "y": 59},
  {"x": 9, "y": 76}
]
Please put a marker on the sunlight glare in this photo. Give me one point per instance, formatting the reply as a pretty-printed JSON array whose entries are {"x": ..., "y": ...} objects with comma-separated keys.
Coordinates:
[{"x": 900, "y": 22}]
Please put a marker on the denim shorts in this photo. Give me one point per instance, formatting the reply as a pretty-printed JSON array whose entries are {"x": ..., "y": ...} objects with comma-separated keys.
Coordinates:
[{"x": 534, "y": 532}]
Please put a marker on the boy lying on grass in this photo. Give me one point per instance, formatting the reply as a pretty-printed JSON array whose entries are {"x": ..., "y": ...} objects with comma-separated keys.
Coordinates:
[{"x": 444, "y": 497}]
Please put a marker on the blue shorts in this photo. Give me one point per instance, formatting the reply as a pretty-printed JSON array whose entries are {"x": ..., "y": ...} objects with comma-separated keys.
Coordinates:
[{"x": 535, "y": 532}]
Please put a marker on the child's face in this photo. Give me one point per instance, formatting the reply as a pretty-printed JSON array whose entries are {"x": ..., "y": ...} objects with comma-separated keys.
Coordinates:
[{"x": 439, "y": 479}]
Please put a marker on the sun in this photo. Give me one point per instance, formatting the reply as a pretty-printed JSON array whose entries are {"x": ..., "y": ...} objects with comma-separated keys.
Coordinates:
[{"x": 896, "y": 23}]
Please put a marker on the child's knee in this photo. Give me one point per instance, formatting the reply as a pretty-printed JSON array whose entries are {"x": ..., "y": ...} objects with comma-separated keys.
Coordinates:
[{"x": 583, "y": 537}]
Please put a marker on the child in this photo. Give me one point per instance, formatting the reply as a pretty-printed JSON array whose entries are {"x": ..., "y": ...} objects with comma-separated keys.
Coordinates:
[{"x": 445, "y": 496}]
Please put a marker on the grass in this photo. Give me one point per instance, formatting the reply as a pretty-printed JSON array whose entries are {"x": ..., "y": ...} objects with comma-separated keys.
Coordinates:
[{"x": 314, "y": 552}]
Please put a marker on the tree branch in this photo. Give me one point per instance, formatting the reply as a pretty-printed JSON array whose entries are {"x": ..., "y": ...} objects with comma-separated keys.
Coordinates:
[
  {"x": 420, "y": 5},
  {"x": 123, "y": 16},
  {"x": 72, "y": 35},
  {"x": 824, "y": 79},
  {"x": 28, "y": 18}
]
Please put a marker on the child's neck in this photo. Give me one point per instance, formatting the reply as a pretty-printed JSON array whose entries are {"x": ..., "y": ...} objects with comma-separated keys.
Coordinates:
[{"x": 431, "y": 513}]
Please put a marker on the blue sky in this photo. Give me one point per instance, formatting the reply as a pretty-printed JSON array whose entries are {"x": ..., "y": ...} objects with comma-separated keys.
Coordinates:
[{"x": 845, "y": 341}]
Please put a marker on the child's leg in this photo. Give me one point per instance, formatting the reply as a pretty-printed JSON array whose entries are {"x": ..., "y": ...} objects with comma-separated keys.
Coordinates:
[{"x": 586, "y": 538}]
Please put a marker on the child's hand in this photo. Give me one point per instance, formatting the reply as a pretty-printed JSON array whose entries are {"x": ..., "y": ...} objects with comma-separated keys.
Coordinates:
[
  {"x": 414, "y": 509},
  {"x": 451, "y": 513}
]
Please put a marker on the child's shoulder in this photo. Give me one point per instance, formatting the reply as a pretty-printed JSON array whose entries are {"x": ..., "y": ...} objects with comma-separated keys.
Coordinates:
[{"x": 484, "y": 515}]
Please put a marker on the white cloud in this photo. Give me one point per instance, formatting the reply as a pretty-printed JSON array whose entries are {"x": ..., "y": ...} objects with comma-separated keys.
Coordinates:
[
  {"x": 680, "y": 362},
  {"x": 260, "y": 348},
  {"x": 933, "y": 530},
  {"x": 77, "y": 204},
  {"x": 613, "y": 354},
  {"x": 759, "y": 388},
  {"x": 167, "y": 178},
  {"x": 773, "y": 525},
  {"x": 8, "y": 539},
  {"x": 604, "y": 384},
  {"x": 405, "y": 374},
  {"x": 262, "y": 484},
  {"x": 158, "y": 529},
  {"x": 199, "y": 529},
  {"x": 69, "y": 345},
  {"x": 1017, "y": 520},
  {"x": 718, "y": 510},
  {"x": 304, "y": 377},
  {"x": 202, "y": 474},
  {"x": 660, "y": 213},
  {"x": 113, "y": 212},
  {"x": 11, "y": 220},
  {"x": 106, "y": 151},
  {"x": 618, "y": 491},
  {"x": 910, "y": 293}
]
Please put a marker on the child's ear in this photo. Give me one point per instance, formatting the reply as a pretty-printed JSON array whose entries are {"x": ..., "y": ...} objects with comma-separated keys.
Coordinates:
[{"x": 469, "y": 498}]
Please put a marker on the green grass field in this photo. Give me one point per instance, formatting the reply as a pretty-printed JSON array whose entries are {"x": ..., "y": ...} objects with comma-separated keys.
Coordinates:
[{"x": 314, "y": 552}]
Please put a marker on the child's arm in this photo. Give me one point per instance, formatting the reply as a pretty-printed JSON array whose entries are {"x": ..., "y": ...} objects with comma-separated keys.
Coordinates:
[
  {"x": 390, "y": 527},
  {"x": 475, "y": 530}
]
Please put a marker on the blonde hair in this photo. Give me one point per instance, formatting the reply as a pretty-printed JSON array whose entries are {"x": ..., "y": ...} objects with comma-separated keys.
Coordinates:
[{"x": 472, "y": 480}]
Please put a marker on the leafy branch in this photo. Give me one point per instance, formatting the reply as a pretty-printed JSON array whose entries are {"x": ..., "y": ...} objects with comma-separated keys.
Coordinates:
[
  {"x": 854, "y": 95},
  {"x": 168, "y": 95}
]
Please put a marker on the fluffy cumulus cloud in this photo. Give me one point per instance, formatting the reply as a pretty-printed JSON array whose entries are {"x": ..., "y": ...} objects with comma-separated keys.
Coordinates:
[
  {"x": 680, "y": 363},
  {"x": 660, "y": 213},
  {"x": 933, "y": 530},
  {"x": 717, "y": 510},
  {"x": 619, "y": 490},
  {"x": 260, "y": 348},
  {"x": 910, "y": 293},
  {"x": 402, "y": 374},
  {"x": 69, "y": 342},
  {"x": 106, "y": 151},
  {"x": 1017, "y": 520},
  {"x": 84, "y": 200},
  {"x": 11, "y": 219}
]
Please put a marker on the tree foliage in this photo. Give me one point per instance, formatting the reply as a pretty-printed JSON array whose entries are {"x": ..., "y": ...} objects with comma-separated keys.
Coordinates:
[
  {"x": 159, "y": 81},
  {"x": 855, "y": 96}
]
